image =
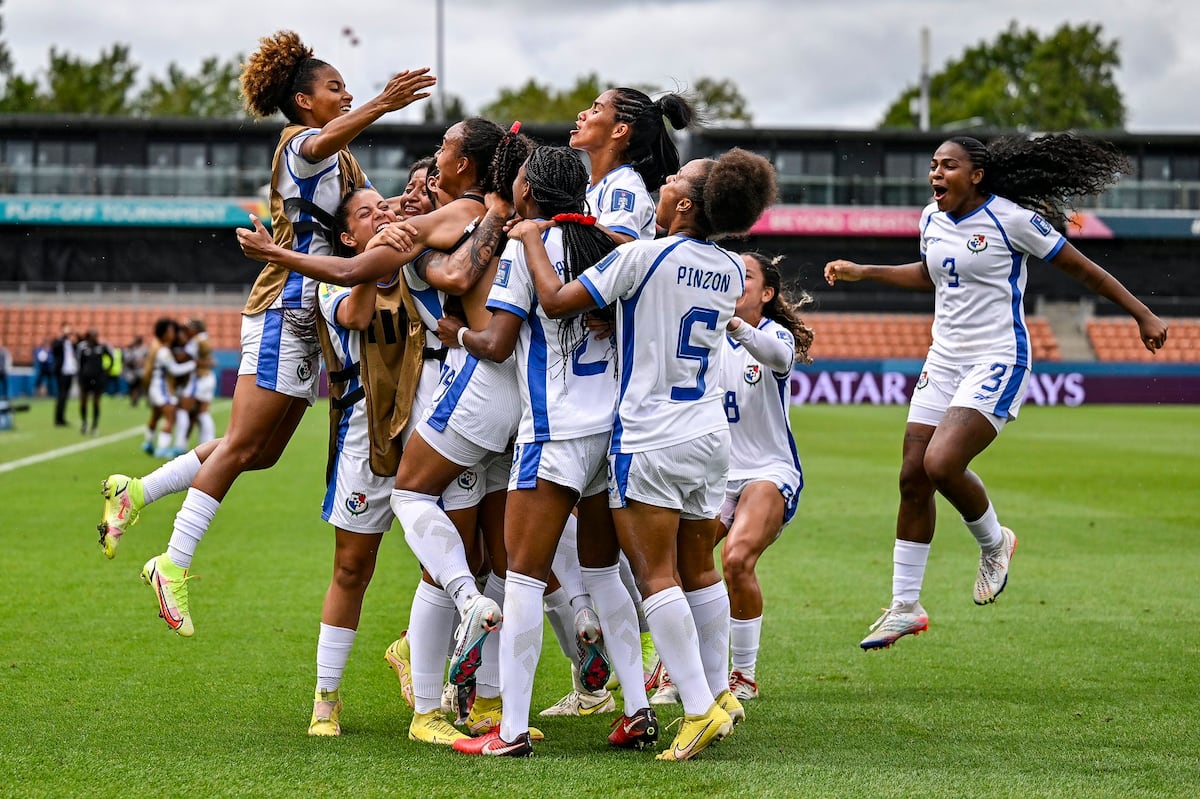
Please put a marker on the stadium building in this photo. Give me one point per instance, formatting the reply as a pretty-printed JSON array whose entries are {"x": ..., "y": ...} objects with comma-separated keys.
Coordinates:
[{"x": 112, "y": 222}]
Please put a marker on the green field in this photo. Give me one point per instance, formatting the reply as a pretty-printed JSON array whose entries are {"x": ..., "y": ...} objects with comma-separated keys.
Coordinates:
[{"x": 1082, "y": 681}]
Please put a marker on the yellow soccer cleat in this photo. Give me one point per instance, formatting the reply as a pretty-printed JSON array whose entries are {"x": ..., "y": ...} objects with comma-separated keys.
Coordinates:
[
  {"x": 123, "y": 501},
  {"x": 327, "y": 711},
  {"x": 398, "y": 656},
  {"x": 170, "y": 587},
  {"x": 730, "y": 704},
  {"x": 432, "y": 728},
  {"x": 485, "y": 716},
  {"x": 696, "y": 733}
]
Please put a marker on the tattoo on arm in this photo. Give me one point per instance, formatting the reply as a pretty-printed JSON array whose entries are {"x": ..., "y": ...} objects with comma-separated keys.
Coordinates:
[{"x": 484, "y": 243}]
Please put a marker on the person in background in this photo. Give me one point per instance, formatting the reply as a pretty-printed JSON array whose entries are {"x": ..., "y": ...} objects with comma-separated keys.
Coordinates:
[
  {"x": 993, "y": 207},
  {"x": 94, "y": 358},
  {"x": 43, "y": 369},
  {"x": 134, "y": 358},
  {"x": 5, "y": 366},
  {"x": 116, "y": 367},
  {"x": 66, "y": 366}
]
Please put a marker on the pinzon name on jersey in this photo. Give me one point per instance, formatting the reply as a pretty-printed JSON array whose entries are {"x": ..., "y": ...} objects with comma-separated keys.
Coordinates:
[{"x": 703, "y": 279}]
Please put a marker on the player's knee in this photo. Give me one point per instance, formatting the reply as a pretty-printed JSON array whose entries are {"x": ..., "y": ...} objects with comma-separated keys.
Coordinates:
[{"x": 915, "y": 483}]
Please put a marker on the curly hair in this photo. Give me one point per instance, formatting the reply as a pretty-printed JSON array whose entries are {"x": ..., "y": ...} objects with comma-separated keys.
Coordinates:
[
  {"x": 271, "y": 76},
  {"x": 784, "y": 307},
  {"x": 733, "y": 193},
  {"x": 650, "y": 150},
  {"x": 1045, "y": 173}
]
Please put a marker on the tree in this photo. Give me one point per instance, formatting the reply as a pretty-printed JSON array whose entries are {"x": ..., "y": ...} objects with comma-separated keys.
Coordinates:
[
  {"x": 722, "y": 100},
  {"x": 456, "y": 110},
  {"x": 1023, "y": 81},
  {"x": 533, "y": 102},
  {"x": 536, "y": 103},
  {"x": 214, "y": 91}
]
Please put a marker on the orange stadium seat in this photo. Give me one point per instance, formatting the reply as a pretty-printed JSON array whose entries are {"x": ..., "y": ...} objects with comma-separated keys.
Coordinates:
[{"x": 875, "y": 336}]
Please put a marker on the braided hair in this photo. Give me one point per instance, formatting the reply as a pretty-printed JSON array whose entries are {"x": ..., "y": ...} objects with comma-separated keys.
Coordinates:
[
  {"x": 272, "y": 75},
  {"x": 651, "y": 151},
  {"x": 511, "y": 151},
  {"x": 558, "y": 184},
  {"x": 733, "y": 193},
  {"x": 1045, "y": 173},
  {"x": 784, "y": 307}
]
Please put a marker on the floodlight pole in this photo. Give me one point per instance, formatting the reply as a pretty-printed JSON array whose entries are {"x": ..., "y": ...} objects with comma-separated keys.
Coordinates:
[
  {"x": 923, "y": 105},
  {"x": 440, "y": 106}
]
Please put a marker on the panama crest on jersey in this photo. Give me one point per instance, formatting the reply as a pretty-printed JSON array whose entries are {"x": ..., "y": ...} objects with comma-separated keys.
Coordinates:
[
  {"x": 977, "y": 243},
  {"x": 356, "y": 503},
  {"x": 752, "y": 374},
  {"x": 467, "y": 480}
]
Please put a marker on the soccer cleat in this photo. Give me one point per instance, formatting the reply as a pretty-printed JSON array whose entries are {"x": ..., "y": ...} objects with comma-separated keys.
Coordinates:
[
  {"x": 170, "y": 586},
  {"x": 653, "y": 676},
  {"x": 742, "y": 686},
  {"x": 896, "y": 622},
  {"x": 450, "y": 700},
  {"x": 697, "y": 733},
  {"x": 591, "y": 658},
  {"x": 993, "y": 569},
  {"x": 327, "y": 710},
  {"x": 581, "y": 703},
  {"x": 635, "y": 732},
  {"x": 397, "y": 656},
  {"x": 493, "y": 744},
  {"x": 148, "y": 447},
  {"x": 480, "y": 617},
  {"x": 667, "y": 693},
  {"x": 432, "y": 728},
  {"x": 730, "y": 704},
  {"x": 122, "y": 504},
  {"x": 485, "y": 716}
]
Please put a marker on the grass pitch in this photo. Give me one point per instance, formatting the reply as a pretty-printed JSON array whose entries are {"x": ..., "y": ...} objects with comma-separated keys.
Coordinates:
[{"x": 1082, "y": 681}]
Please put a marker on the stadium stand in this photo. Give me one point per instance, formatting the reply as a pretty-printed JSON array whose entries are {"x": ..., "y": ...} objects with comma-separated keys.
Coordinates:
[
  {"x": 1116, "y": 340},
  {"x": 874, "y": 336},
  {"x": 23, "y": 326}
]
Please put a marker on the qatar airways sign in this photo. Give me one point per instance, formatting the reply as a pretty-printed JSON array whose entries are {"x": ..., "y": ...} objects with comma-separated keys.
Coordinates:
[{"x": 849, "y": 387}]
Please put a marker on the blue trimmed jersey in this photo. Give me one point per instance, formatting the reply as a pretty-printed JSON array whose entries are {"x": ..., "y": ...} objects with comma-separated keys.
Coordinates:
[
  {"x": 674, "y": 296},
  {"x": 757, "y": 401},
  {"x": 353, "y": 437},
  {"x": 622, "y": 204},
  {"x": 563, "y": 395},
  {"x": 978, "y": 264}
]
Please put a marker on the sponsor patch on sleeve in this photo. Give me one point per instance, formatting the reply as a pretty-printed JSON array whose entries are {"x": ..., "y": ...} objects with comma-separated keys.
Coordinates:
[
  {"x": 608, "y": 259},
  {"x": 502, "y": 272},
  {"x": 622, "y": 200},
  {"x": 1041, "y": 224}
]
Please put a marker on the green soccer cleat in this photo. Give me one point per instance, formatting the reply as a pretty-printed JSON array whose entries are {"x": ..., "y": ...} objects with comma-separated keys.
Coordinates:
[
  {"x": 170, "y": 586},
  {"x": 123, "y": 502}
]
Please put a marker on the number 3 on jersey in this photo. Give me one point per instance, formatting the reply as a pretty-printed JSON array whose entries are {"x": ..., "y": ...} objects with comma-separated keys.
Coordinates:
[
  {"x": 949, "y": 264},
  {"x": 686, "y": 350}
]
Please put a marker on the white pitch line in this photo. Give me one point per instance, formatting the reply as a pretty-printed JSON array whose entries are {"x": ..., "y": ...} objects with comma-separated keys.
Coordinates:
[
  {"x": 83, "y": 446},
  {"x": 41, "y": 457}
]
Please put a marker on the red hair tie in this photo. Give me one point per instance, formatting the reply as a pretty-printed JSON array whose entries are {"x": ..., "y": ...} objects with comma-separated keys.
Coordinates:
[
  {"x": 579, "y": 219},
  {"x": 516, "y": 127}
]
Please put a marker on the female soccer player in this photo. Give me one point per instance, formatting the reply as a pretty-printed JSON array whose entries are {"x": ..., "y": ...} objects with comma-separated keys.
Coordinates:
[
  {"x": 993, "y": 207},
  {"x": 567, "y": 397},
  {"x": 765, "y": 338},
  {"x": 669, "y": 450},
  {"x": 277, "y": 379}
]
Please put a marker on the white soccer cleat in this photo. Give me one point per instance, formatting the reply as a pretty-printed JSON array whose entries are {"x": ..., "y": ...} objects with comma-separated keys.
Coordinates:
[
  {"x": 993, "y": 568},
  {"x": 582, "y": 703},
  {"x": 899, "y": 620}
]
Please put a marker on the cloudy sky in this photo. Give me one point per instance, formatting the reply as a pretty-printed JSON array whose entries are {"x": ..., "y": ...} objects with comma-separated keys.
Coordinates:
[{"x": 800, "y": 63}]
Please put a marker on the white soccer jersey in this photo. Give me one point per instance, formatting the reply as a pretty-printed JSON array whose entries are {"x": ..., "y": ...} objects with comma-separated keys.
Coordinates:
[
  {"x": 757, "y": 397},
  {"x": 320, "y": 184},
  {"x": 622, "y": 204},
  {"x": 676, "y": 296},
  {"x": 352, "y": 433},
  {"x": 978, "y": 265},
  {"x": 164, "y": 365},
  {"x": 562, "y": 396},
  {"x": 430, "y": 304}
]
